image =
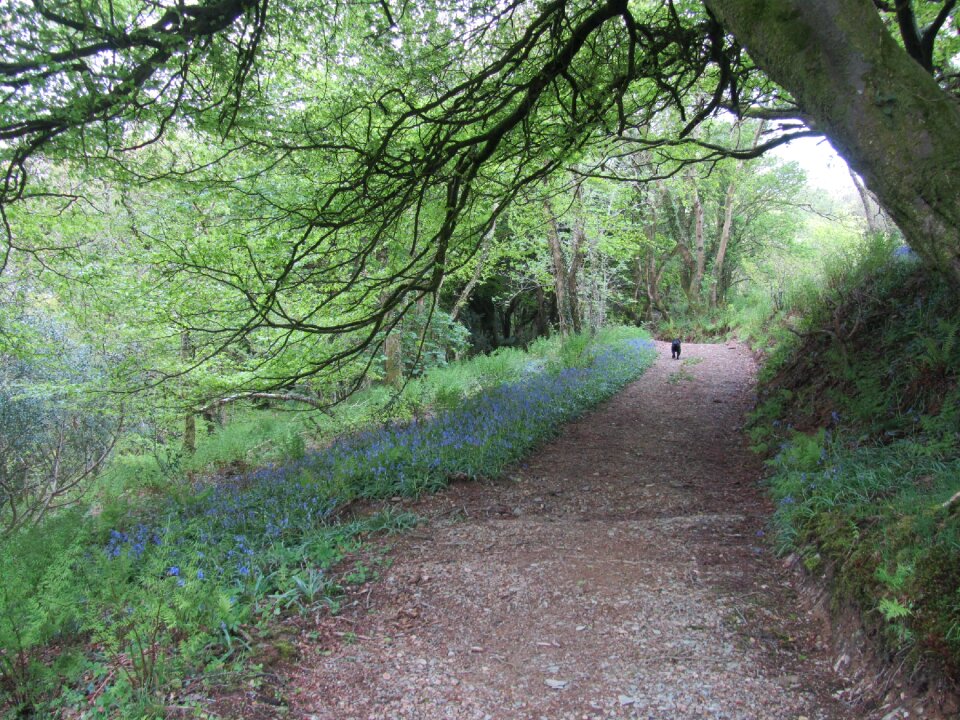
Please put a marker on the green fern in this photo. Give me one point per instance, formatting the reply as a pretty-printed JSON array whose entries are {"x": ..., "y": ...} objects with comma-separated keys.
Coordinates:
[
  {"x": 896, "y": 580},
  {"x": 892, "y": 609},
  {"x": 938, "y": 349}
]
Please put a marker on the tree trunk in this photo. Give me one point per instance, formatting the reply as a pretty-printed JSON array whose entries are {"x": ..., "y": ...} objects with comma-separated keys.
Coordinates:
[
  {"x": 507, "y": 320},
  {"x": 699, "y": 251},
  {"x": 690, "y": 264},
  {"x": 477, "y": 272},
  {"x": 681, "y": 236},
  {"x": 882, "y": 112},
  {"x": 392, "y": 348},
  {"x": 653, "y": 275},
  {"x": 576, "y": 263},
  {"x": 724, "y": 242},
  {"x": 393, "y": 366},
  {"x": 654, "y": 278},
  {"x": 871, "y": 208},
  {"x": 543, "y": 312},
  {"x": 189, "y": 419},
  {"x": 313, "y": 402},
  {"x": 559, "y": 269},
  {"x": 652, "y": 292},
  {"x": 213, "y": 419},
  {"x": 718, "y": 286}
]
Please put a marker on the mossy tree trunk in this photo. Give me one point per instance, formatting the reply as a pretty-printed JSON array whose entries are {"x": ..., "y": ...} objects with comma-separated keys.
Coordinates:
[
  {"x": 699, "y": 247},
  {"x": 881, "y": 110},
  {"x": 574, "y": 290},
  {"x": 559, "y": 264},
  {"x": 189, "y": 419},
  {"x": 724, "y": 243}
]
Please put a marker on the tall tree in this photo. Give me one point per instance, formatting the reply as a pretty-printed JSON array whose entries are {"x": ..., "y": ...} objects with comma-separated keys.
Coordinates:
[
  {"x": 878, "y": 103},
  {"x": 422, "y": 142}
]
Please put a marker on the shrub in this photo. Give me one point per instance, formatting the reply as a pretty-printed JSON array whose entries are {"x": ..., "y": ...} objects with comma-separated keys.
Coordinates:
[{"x": 53, "y": 440}]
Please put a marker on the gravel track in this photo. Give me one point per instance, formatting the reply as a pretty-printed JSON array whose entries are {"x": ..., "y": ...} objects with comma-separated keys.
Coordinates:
[{"x": 621, "y": 572}]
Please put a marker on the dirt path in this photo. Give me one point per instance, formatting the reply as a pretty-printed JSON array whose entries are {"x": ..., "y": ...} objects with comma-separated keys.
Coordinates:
[{"x": 620, "y": 573}]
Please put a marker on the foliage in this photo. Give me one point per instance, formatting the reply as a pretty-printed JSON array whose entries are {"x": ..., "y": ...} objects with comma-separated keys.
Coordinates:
[
  {"x": 164, "y": 585},
  {"x": 860, "y": 413},
  {"x": 255, "y": 436},
  {"x": 869, "y": 508},
  {"x": 783, "y": 282},
  {"x": 702, "y": 326},
  {"x": 53, "y": 437},
  {"x": 207, "y": 219},
  {"x": 38, "y": 602},
  {"x": 291, "y": 221}
]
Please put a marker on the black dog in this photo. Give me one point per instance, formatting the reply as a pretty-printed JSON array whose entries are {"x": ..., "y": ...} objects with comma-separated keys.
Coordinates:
[{"x": 675, "y": 350}]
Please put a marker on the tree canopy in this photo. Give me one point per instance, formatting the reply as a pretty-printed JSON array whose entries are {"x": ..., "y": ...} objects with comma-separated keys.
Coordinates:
[{"x": 292, "y": 179}]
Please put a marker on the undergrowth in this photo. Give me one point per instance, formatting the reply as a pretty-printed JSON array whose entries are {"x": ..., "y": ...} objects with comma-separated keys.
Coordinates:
[
  {"x": 101, "y": 610},
  {"x": 255, "y": 436},
  {"x": 860, "y": 419},
  {"x": 703, "y": 326}
]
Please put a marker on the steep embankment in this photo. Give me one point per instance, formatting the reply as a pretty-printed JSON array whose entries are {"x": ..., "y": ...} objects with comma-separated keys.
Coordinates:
[{"x": 860, "y": 415}]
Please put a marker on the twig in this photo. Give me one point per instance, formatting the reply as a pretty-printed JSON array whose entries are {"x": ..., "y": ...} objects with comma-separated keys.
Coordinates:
[{"x": 952, "y": 501}]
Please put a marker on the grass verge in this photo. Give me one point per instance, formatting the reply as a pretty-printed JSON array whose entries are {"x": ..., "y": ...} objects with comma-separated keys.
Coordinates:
[{"x": 100, "y": 613}]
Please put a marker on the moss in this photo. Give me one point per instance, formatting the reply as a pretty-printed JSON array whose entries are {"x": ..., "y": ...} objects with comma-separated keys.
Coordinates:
[
  {"x": 274, "y": 650},
  {"x": 835, "y": 533},
  {"x": 860, "y": 491}
]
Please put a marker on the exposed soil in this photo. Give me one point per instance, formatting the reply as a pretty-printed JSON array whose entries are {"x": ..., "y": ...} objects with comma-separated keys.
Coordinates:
[{"x": 622, "y": 572}]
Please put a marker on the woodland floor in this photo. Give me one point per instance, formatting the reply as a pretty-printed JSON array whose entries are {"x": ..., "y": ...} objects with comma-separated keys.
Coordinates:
[{"x": 621, "y": 572}]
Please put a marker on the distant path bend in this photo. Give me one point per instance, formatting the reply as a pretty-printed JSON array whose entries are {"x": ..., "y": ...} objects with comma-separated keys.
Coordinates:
[{"x": 620, "y": 573}]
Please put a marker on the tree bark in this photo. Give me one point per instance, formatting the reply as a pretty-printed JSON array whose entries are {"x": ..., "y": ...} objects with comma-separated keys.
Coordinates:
[
  {"x": 649, "y": 275},
  {"x": 699, "y": 251},
  {"x": 724, "y": 242},
  {"x": 392, "y": 347},
  {"x": 653, "y": 275},
  {"x": 393, "y": 367},
  {"x": 258, "y": 395},
  {"x": 654, "y": 278},
  {"x": 543, "y": 312},
  {"x": 576, "y": 263},
  {"x": 477, "y": 272},
  {"x": 189, "y": 419},
  {"x": 725, "y": 228},
  {"x": 681, "y": 236},
  {"x": 881, "y": 111},
  {"x": 871, "y": 208},
  {"x": 559, "y": 269},
  {"x": 650, "y": 284}
]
